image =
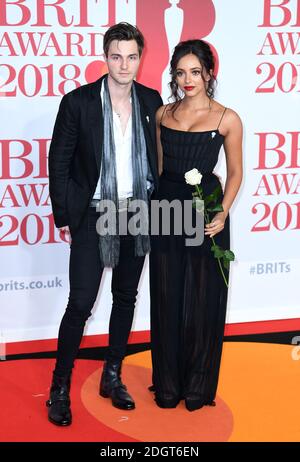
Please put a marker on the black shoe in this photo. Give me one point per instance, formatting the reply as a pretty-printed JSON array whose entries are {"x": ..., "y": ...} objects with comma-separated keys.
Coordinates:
[
  {"x": 59, "y": 412},
  {"x": 112, "y": 387}
]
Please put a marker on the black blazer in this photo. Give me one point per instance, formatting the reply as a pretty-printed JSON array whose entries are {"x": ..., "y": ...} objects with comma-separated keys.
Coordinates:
[{"x": 76, "y": 147}]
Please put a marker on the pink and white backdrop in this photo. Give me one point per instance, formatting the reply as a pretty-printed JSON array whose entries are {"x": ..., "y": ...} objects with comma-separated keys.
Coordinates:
[{"x": 49, "y": 47}]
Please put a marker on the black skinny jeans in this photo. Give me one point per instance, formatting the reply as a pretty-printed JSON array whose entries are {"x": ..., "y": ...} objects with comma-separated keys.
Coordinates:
[{"x": 85, "y": 272}]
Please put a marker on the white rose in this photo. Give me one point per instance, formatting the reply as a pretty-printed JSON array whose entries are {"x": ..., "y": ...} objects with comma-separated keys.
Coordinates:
[{"x": 193, "y": 177}]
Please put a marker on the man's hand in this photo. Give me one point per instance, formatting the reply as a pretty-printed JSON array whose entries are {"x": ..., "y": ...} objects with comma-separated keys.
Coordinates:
[
  {"x": 65, "y": 229},
  {"x": 65, "y": 234}
]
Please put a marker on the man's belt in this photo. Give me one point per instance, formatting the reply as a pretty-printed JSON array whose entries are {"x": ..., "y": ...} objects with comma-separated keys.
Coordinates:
[{"x": 123, "y": 204}]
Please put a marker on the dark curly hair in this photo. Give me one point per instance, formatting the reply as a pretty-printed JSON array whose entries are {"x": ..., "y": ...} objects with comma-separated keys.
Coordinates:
[{"x": 203, "y": 52}]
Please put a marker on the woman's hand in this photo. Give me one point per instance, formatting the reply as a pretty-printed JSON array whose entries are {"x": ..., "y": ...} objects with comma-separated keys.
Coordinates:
[{"x": 216, "y": 225}]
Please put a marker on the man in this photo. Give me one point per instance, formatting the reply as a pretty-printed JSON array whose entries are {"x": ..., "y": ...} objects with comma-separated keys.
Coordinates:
[{"x": 103, "y": 149}]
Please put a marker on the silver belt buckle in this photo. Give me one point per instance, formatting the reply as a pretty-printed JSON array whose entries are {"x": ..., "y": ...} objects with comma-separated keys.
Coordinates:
[
  {"x": 123, "y": 204},
  {"x": 94, "y": 203}
]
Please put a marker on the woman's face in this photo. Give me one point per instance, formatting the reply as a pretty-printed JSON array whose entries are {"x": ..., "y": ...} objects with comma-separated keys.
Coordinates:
[{"x": 188, "y": 75}]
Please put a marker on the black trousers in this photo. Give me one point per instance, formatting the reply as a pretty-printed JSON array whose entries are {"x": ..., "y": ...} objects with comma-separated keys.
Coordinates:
[{"x": 85, "y": 274}]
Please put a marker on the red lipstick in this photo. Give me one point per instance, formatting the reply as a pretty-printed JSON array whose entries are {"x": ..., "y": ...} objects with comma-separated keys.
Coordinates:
[{"x": 189, "y": 88}]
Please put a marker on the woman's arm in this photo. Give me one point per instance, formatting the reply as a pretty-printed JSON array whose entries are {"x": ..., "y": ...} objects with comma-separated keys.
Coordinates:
[
  {"x": 158, "y": 117},
  {"x": 233, "y": 132}
]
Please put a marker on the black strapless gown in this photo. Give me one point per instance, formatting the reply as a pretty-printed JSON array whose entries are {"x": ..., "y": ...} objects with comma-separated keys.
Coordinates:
[{"x": 188, "y": 293}]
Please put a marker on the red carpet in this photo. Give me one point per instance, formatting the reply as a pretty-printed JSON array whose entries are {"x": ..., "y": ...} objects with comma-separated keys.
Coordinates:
[{"x": 257, "y": 400}]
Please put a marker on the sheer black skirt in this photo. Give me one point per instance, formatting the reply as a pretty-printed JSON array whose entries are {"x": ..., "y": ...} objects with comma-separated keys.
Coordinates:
[{"x": 188, "y": 309}]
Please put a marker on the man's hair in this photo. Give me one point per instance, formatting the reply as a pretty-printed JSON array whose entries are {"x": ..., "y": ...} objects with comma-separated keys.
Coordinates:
[{"x": 123, "y": 31}]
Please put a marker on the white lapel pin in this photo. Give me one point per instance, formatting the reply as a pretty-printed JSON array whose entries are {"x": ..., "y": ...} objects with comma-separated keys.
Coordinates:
[{"x": 147, "y": 118}]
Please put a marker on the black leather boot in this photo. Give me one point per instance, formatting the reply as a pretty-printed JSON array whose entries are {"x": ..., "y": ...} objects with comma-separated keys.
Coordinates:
[
  {"x": 112, "y": 387},
  {"x": 59, "y": 412}
]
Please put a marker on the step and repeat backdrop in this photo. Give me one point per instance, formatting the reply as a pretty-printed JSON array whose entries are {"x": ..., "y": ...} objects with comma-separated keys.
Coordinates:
[{"x": 49, "y": 47}]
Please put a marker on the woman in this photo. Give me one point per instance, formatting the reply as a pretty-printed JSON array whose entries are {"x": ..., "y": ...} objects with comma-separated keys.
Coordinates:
[{"x": 188, "y": 292}]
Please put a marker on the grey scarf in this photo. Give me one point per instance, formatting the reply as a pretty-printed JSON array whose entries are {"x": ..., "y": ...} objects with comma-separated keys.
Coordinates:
[{"x": 109, "y": 244}]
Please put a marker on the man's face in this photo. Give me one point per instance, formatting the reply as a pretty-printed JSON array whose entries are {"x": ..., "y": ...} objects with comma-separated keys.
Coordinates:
[{"x": 123, "y": 61}]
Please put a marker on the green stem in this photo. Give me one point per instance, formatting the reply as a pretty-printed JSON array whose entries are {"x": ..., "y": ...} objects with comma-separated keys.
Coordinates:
[
  {"x": 207, "y": 220},
  {"x": 220, "y": 265}
]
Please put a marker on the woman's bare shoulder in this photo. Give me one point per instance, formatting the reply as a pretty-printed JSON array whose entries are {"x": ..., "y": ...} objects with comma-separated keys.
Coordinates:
[
  {"x": 231, "y": 117},
  {"x": 228, "y": 112},
  {"x": 162, "y": 110}
]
